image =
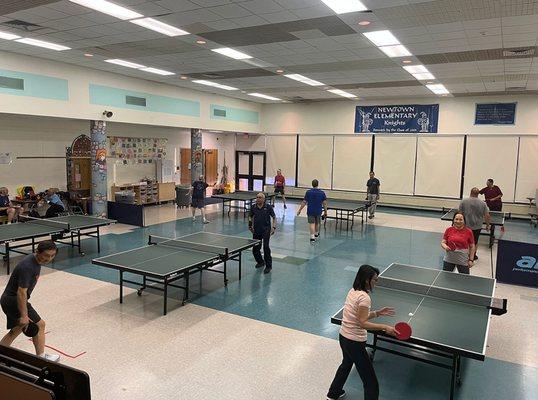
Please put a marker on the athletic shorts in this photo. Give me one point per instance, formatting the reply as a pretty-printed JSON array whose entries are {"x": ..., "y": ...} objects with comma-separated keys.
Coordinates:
[
  {"x": 279, "y": 190},
  {"x": 198, "y": 203},
  {"x": 314, "y": 219},
  {"x": 3, "y": 212},
  {"x": 11, "y": 309}
]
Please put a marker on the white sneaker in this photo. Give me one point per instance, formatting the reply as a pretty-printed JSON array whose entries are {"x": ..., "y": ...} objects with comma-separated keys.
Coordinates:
[
  {"x": 51, "y": 357},
  {"x": 193, "y": 219},
  {"x": 206, "y": 221}
]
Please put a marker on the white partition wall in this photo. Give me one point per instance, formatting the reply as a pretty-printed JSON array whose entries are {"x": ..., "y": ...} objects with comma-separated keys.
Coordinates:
[
  {"x": 491, "y": 157},
  {"x": 352, "y": 158},
  {"x": 527, "y": 169},
  {"x": 394, "y": 163},
  {"x": 281, "y": 153},
  {"x": 439, "y": 162},
  {"x": 315, "y": 160}
]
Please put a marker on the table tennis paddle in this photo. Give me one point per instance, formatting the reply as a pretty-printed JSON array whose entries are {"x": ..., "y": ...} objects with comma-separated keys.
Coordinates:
[
  {"x": 404, "y": 330},
  {"x": 31, "y": 329}
]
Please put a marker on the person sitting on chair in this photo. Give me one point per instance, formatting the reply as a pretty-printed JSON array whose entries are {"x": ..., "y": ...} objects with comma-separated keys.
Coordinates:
[
  {"x": 7, "y": 208},
  {"x": 56, "y": 205}
]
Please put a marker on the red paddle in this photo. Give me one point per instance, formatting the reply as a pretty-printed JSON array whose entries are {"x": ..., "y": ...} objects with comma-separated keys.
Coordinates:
[{"x": 404, "y": 330}]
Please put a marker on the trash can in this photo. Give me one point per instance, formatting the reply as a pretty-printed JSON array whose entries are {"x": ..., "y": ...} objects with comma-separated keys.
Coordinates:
[{"x": 182, "y": 196}]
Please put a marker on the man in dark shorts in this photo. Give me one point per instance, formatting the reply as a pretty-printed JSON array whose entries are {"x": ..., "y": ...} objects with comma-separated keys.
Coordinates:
[
  {"x": 259, "y": 223},
  {"x": 197, "y": 192},
  {"x": 493, "y": 196},
  {"x": 372, "y": 193},
  {"x": 317, "y": 202},
  {"x": 14, "y": 300},
  {"x": 280, "y": 185}
]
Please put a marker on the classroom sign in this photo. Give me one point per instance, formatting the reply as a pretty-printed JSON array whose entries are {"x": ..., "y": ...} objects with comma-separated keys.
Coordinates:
[
  {"x": 495, "y": 114},
  {"x": 413, "y": 118}
]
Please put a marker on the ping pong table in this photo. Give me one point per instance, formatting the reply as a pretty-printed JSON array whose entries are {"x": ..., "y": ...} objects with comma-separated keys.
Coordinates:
[
  {"x": 246, "y": 200},
  {"x": 346, "y": 210},
  {"x": 164, "y": 261},
  {"x": 449, "y": 314},
  {"x": 25, "y": 233},
  {"x": 497, "y": 219}
]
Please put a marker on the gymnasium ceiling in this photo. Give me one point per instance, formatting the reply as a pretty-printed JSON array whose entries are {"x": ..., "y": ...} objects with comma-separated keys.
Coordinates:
[{"x": 472, "y": 47}]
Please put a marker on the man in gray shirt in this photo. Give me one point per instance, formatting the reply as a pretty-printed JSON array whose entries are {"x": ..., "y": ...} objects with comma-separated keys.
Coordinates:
[{"x": 476, "y": 212}]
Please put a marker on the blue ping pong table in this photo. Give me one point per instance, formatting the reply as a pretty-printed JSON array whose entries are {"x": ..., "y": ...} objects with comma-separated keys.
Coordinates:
[
  {"x": 164, "y": 261},
  {"x": 345, "y": 211},
  {"x": 449, "y": 314},
  {"x": 25, "y": 233}
]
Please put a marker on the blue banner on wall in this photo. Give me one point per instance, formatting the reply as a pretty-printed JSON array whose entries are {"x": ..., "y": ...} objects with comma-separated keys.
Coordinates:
[
  {"x": 517, "y": 263},
  {"x": 414, "y": 118},
  {"x": 495, "y": 114}
]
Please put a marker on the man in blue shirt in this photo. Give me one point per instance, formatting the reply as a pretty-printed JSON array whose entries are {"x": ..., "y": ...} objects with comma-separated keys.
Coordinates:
[
  {"x": 372, "y": 193},
  {"x": 197, "y": 192},
  {"x": 317, "y": 202},
  {"x": 259, "y": 223},
  {"x": 56, "y": 205}
]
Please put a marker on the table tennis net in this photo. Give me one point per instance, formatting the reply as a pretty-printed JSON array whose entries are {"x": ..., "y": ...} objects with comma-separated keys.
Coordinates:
[
  {"x": 45, "y": 222},
  {"x": 185, "y": 244},
  {"x": 435, "y": 291}
]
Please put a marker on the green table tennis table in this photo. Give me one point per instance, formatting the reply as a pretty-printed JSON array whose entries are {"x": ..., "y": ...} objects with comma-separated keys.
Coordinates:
[
  {"x": 345, "y": 211},
  {"x": 25, "y": 233},
  {"x": 450, "y": 315},
  {"x": 246, "y": 200},
  {"x": 497, "y": 219},
  {"x": 164, "y": 261}
]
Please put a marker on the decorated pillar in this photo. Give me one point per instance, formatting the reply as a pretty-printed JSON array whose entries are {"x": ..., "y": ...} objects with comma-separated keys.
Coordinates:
[
  {"x": 99, "y": 171},
  {"x": 197, "y": 167}
]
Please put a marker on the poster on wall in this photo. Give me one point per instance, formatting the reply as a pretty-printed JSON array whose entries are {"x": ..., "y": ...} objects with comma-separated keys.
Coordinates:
[
  {"x": 495, "y": 114},
  {"x": 413, "y": 118},
  {"x": 130, "y": 150}
]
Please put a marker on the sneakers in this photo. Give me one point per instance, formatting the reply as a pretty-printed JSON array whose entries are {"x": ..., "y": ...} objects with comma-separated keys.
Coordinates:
[
  {"x": 312, "y": 240},
  {"x": 340, "y": 396},
  {"x": 370, "y": 216},
  {"x": 193, "y": 219},
  {"x": 267, "y": 270},
  {"x": 260, "y": 265},
  {"x": 206, "y": 221},
  {"x": 317, "y": 235},
  {"x": 475, "y": 257},
  {"x": 51, "y": 357}
]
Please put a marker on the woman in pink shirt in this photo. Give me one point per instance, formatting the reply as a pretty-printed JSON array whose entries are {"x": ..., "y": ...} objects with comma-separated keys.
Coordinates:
[{"x": 355, "y": 324}]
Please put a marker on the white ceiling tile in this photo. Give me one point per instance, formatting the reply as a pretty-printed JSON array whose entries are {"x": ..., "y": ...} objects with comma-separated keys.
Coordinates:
[{"x": 262, "y": 6}]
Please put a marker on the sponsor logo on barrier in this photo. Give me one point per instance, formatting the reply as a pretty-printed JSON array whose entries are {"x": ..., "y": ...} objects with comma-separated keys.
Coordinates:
[{"x": 527, "y": 264}]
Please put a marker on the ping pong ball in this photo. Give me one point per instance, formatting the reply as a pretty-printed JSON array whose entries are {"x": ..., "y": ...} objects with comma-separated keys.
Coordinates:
[{"x": 410, "y": 314}]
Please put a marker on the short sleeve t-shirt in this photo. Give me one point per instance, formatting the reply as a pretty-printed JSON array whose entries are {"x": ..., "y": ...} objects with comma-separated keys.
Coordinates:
[
  {"x": 491, "y": 192},
  {"x": 314, "y": 199},
  {"x": 351, "y": 328},
  {"x": 198, "y": 189},
  {"x": 373, "y": 186},
  {"x": 55, "y": 199},
  {"x": 25, "y": 275},
  {"x": 261, "y": 218},
  {"x": 4, "y": 201},
  {"x": 474, "y": 210},
  {"x": 460, "y": 240},
  {"x": 280, "y": 180}
]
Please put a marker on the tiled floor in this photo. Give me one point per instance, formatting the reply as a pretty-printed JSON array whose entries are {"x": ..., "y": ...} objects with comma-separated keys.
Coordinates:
[{"x": 267, "y": 336}]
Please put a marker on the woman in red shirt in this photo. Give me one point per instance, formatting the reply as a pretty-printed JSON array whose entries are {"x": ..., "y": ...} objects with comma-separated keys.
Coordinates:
[{"x": 458, "y": 242}]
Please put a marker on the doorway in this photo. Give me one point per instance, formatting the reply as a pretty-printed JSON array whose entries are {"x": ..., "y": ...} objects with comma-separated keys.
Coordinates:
[
  {"x": 250, "y": 170},
  {"x": 210, "y": 159}
]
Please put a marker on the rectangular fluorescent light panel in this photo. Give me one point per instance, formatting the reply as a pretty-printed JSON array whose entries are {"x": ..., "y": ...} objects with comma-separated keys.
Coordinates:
[
  {"x": 214, "y": 84},
  {"x": 41, "y": 43},
  {"x": 157, "y": 71},
  {"x": 342, "y": 93},
  {"x": 123, "y": 63},
  {"x": 415, "y": 69},
  {"x": 382, "y": 38},
  {"x": 160, "y": 27},
  {"x": 109, "y": 8},
  {"x": 264, "y": 96},
  {"x": 226, "y": 51},
  {"x": 437, "y": 88},
  {"x": 425, "y": 76},
  {"x": 395, "y": 51},
  {"x": 304, "y": 79},
  {"x": 8, "y": 36},
  {"x": 345, "y": 6}
]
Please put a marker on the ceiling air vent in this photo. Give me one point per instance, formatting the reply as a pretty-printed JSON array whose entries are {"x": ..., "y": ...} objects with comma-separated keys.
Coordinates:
[
  {"x": 22, "y": 25},
  {"x": 135, "y": 101},
  {"x": 219, "y": 112},
  {"x": 11, "y": 83},
  {"x": 518, "y": 52}
]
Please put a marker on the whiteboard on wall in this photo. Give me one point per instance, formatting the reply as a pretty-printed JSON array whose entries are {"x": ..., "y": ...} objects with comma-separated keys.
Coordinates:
[
  {"x": 439, "y": 162},
  {"x": 281, "y": 153},
  {"x": 394, "y": 163},
  {"x": 491, "y": 157},
  {"x": 527, "y": 169},
  {"x": 315, "y": 160},
  {"x": 352, "y": 158}
]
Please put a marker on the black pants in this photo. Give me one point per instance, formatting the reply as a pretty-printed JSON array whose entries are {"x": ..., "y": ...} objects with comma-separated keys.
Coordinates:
[
  {"x": 264, "y": 237},
  {"x": 462, "y": 269},
  {"x": 355, "y": 353},
  {"x": 53, "y": 210}
]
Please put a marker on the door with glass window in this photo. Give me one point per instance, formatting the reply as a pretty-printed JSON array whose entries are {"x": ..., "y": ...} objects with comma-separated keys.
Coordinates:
[{"x": 249, "y": 170}]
